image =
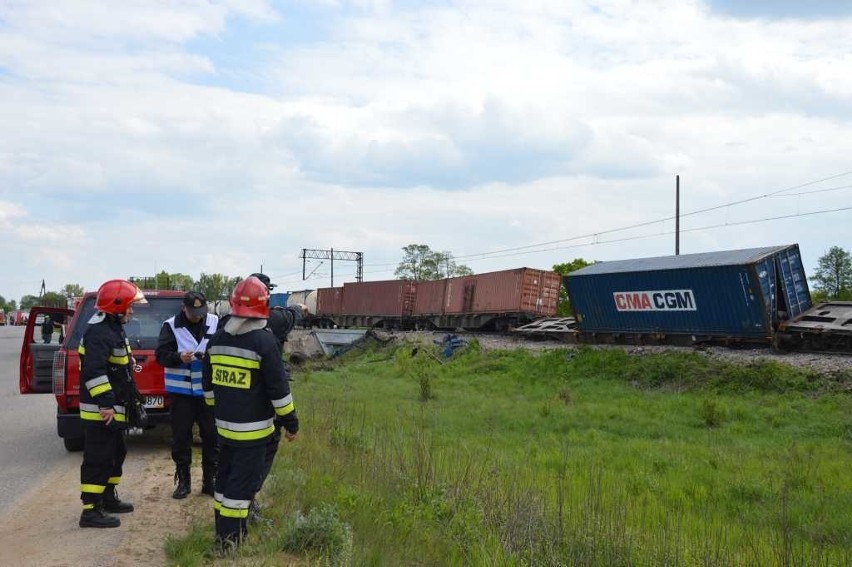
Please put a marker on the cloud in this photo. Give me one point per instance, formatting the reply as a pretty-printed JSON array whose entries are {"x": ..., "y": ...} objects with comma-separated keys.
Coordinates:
[
  {"x": 9, "y": 212},
  {"x": 562, "y": 76},
  {"x": 448, "y": 147},
  {"x": 215, "y": 137}
]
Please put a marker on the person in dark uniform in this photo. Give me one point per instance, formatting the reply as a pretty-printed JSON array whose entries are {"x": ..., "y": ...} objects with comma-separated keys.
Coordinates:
[
  {"x": 181, "y": 345},
  {"x": 105, "y": 367},
  {"x": 47, "y": 329},
  {"x": 244, "y": 381},
  {"x": 280, "y": 322}
]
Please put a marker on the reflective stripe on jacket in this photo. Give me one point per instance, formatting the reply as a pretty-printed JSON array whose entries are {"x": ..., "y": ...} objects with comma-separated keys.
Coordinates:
[
  {"x": 186, "y": 378},
  {"x": 104, "y": 368},
  {"x": 244, "y": 380}
]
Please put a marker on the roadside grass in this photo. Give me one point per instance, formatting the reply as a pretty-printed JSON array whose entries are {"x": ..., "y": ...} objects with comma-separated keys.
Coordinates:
[{"x": 564, "y": 457}]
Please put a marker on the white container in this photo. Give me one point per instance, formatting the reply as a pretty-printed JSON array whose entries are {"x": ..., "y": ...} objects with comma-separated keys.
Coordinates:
[{"x": 306, "y": 296}]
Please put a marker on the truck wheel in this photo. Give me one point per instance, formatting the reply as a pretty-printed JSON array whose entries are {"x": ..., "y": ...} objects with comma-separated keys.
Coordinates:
[{"x": 73, "y": 444}]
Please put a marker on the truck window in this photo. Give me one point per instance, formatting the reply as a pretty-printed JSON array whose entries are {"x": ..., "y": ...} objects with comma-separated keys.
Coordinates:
[{"x": 142, "y": 330}]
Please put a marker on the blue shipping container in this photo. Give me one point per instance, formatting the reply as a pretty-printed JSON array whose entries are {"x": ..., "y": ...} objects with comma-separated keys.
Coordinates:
[
  {"x": 278, "y": 299},
  {"x": 736, "y": 293}
]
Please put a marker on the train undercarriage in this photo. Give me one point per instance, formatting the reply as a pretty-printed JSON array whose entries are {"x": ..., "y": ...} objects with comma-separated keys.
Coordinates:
[{"x": 825, "y": 327}]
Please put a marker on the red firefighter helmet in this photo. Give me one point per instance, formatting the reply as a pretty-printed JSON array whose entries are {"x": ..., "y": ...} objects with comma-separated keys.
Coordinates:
[
  {"x": 250, "y": 299},
  {"x": 115, "y": 296}
]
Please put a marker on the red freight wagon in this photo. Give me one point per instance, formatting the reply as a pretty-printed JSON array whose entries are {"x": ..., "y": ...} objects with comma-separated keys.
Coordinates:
[
  {"x": 523, "y": 290},
  {"x": 495, "y": 300},
  {"x": 329, "y": 301},
  {"x": 329, "y": 306},
  {"x": 430, "y": 297},
  {"x": 492, "y": 300},
  {"x": 386, "y": 303}
]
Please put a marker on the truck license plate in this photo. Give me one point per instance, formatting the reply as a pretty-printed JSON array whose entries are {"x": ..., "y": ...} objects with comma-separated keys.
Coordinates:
[{"x": 155, "y": 402}]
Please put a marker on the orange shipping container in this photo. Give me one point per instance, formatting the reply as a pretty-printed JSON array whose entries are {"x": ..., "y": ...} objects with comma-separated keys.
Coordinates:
[
  {"x": 329, "y": 301},
  {"x": 522, "y": 290},
  {"x": 388, "y": 298}
]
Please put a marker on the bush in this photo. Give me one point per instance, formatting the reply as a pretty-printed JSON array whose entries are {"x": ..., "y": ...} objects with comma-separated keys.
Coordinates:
[{"x": 322, "y": 534}]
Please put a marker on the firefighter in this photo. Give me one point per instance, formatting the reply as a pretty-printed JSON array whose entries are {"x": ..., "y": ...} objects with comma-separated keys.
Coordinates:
[
  {"x": 244, "y": 381},
  {"x": 181, "y": 345},
  {"x": 281, "y": 321},
  {"x": 105, "y": 366}
]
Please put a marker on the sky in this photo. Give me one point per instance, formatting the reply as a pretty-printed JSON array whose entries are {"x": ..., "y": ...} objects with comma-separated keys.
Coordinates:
[{"x": 204, "y": 136}]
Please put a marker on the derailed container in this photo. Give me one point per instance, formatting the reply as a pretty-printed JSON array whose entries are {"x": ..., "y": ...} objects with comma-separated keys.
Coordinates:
[
  {"x": 522, "y": 290},
  {"x": 736, "y": 294},
  {"x": 278, "y": 299}
]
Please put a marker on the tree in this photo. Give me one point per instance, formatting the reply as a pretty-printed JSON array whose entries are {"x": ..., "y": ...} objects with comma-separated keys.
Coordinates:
[
  {"x": 28, "y": 301},
  {"x": 216, "y": 286},
  {"x": 446, "y": 267},
  {"x": 73, "y": 290},
  {"x": 53, "y": 299},
  {"x": 564, "y": 307},
  {"x": 833, "y": 276},
  {"x": 415, "y": 263},
  {"x": 421, "y": 263},
  {"x": 165, "y": 280},
  {"x": 182, "y": 282}
]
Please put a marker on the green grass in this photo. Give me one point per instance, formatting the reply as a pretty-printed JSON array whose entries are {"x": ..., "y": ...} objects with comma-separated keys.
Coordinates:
[{"x": 564, "y": 457}]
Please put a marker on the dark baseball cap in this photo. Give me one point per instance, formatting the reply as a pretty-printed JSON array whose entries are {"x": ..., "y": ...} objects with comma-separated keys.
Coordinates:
[
  {"x": 265, "y": 279},
  {"x": 195, "y": 303}
]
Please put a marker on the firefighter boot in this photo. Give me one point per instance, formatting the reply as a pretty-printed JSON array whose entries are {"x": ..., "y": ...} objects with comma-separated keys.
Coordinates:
[
  {"x": 96, "y": 518},
  {"x": 113, "y": 504},
  {"x": 184, "y": 484},
  {"x": 208, "y": 480}
]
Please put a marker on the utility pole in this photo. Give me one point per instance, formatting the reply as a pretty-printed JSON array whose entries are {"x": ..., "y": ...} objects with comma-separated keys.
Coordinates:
[
  {"x": 677, "y": 215},
  {"x": 332, "y": 254}
]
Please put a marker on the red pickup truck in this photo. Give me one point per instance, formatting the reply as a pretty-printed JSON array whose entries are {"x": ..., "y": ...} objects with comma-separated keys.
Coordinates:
[{"x": 55, "y": 368}]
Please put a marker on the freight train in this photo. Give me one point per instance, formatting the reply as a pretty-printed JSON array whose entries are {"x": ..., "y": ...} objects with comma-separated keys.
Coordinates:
[
  {"x": 755, "y": 296},
  {"x": 494, "y": 301}
]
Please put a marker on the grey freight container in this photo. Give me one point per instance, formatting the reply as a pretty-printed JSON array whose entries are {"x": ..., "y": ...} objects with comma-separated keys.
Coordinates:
[{"x": 735, "y": 294}]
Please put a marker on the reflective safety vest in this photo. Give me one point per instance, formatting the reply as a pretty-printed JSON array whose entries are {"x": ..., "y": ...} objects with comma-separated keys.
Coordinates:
[{"x": 186, "y": 378}]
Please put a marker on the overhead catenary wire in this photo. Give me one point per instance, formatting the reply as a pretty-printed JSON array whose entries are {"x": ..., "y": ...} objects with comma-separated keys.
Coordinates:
[
  {"x": 598, "y": 242},
  {"x": 537, "y": 247},
  {"x": 486, "y": 255}
]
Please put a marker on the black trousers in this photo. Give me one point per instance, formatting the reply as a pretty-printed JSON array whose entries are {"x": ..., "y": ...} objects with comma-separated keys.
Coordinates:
[
  {"x": 185, "y": 411},
  {"x": 272, "y": 445},
  {"x": 237, "y": 479},
  {"x": 103, "y": 457},
  {"x": 269, "y": 453}
]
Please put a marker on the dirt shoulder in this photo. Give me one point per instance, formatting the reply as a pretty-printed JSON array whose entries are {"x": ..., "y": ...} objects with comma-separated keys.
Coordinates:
[{"x": 41, "y": 528}]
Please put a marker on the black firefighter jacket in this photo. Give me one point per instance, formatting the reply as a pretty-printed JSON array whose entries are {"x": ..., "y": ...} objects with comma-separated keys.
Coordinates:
[
  {"x": 245, "y": 382},
  {"x": 105, "y": 366}
]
